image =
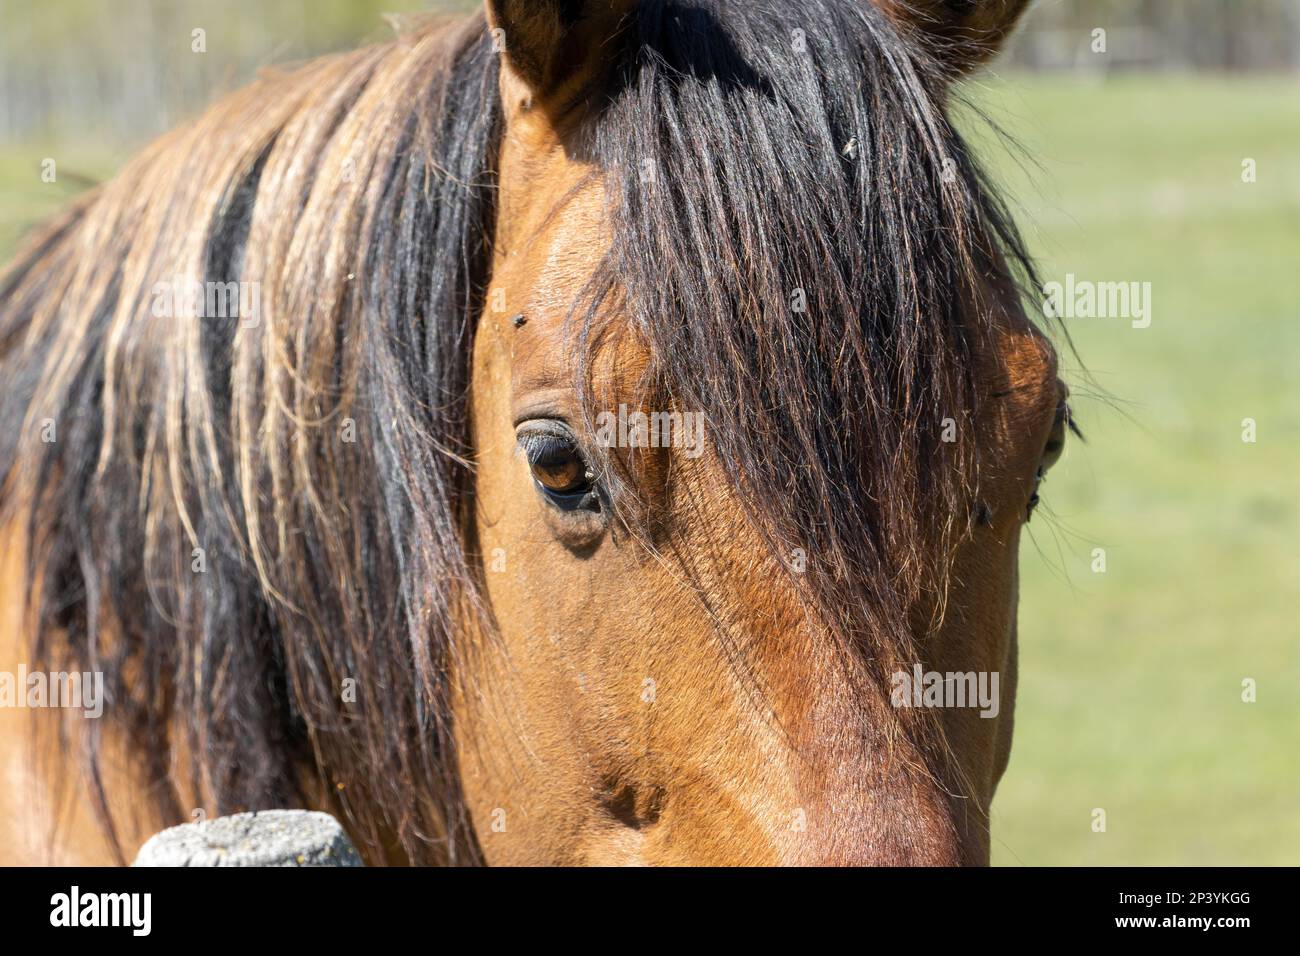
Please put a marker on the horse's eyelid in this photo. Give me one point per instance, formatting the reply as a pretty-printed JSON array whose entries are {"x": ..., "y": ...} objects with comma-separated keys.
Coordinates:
[{"x": 532, "y": 445}]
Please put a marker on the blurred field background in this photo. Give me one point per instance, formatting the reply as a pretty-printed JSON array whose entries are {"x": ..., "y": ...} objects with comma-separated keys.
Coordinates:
[
  {"x": 1130, "y": 692},
  {"x": 1131, "y": 170}
]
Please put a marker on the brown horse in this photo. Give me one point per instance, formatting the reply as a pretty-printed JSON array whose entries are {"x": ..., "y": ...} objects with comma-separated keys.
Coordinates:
[{"x": 567, "y": 436}]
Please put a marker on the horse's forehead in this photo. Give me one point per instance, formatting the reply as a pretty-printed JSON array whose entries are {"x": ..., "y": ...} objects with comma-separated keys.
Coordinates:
[
  {"x": 552, "y": 235},
  {"x": 550, "y": 203}
]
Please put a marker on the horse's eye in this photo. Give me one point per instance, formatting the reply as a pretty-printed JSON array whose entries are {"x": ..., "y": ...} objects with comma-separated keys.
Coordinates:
[
  {"x": 1061, "y": 424},
  {"x": 561, "y": 470},
  {"x": 557, "y": 464}
]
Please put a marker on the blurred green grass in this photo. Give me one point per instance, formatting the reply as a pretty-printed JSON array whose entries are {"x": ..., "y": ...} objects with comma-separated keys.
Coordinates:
[
  {"x": 1130, "y": 680},
  {"x": 26, "y": 199},
  {"x": 1130, "y": 686}
]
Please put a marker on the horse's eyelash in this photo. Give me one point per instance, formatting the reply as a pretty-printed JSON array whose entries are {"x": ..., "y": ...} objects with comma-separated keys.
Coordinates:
[{"x": 536, "y": 447}]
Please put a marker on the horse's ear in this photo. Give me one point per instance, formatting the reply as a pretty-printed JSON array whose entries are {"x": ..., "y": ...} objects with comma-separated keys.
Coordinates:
[
  {"x": 966, "y": 33},
  {"x": 555, "y": 47}
]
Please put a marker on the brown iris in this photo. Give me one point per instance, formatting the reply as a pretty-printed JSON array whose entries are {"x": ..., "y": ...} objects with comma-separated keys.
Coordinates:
[
  {"x": 557, "y": 465},
  {"x": 561, "y": 476}
]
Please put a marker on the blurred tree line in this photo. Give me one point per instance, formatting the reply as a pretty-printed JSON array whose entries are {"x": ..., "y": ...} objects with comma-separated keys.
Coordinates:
[
  {"x": 125, "y": 69},
  {"x": 1210, "y": 35}
]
